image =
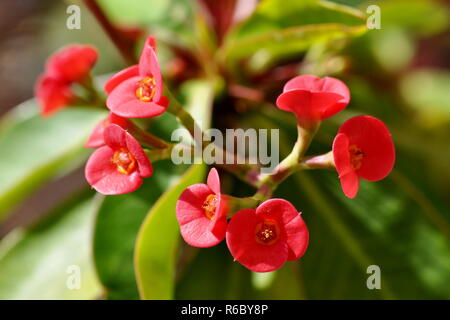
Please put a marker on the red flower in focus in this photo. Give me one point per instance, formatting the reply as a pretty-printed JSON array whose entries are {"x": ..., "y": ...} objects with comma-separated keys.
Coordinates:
[
  {"x": 264, "y": 239},
  {"x": 96, "y": 138},
  {"x": 136, "y": 92},
  {"x": 119, "y": 166},
  {"x": 72, "y": 63},
  {"x": 312, "y": 98},
  {"x": 363, "y": 148},
  {"x": 52, "y": 94},
  {"x": 68, "y": 65},
  {"x": 201, "y": 213}
]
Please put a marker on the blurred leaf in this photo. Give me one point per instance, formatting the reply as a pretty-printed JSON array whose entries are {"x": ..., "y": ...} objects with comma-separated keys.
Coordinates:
[
  {"x": 352, "y": 3},
  {"x": 282, "y": 28},
  {"x": 220, "y": 276},
  {"x": 387, "y": 226},
  {"x": 277, "y": 15},
  {"x": 157, "y": 241},
  {"x": 427, "y": 92},
  {"x": 117, "y": 224},
  {"x": 36, "y": 264},
  {"x": 393, "y": 60},
  {"x": 171, "y": 19},
  {"x": 410, "y": 15},
  {"x": 36, "y": 149}
]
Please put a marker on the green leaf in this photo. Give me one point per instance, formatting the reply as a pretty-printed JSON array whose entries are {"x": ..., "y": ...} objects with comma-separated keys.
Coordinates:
[
  {"x": 40, "y": 263},
  {"x": 36, "y": 149},
  {"x": 169, "y": 19},
  {"x": 427, "y": 92},
  {"x": 157, "y": 241},
  {"x": 281, "y": 28},
  {"x": 117, "y": 224},
  {"x": 385, "y": 225},
  {"x": 405, "y": 13}
]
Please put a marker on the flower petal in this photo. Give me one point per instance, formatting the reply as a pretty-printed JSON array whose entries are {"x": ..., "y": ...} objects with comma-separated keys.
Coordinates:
[
  {"x": 115, "y": 137},
  {"x": 213, "y": 181},
  {"x": 372, "y": 136},
  {"x": 103, "y": 176},
  {"x": 341, "y": 154},
  {"x": 149, "y": 66},
  {"x": 309, "y": 105},
  {"x": 328, "y": 95},
  {"x": 96, "y": 138},
  {"x": 241, "y": 242},
  {"x": 120, "y": 77},
  {"x": 294, "y": 229},
  {"x": 52, "y": 94},
  {"x": 123, "y": 102},
  {"x": 195, "y": 227},
  {"x": 219, "y": 223},
  {"x": 145, "y": 167},
  {"x": 72, "y": 63},
  {"x": 347, "y": 175},
  {"x": 350, "y": 184}
]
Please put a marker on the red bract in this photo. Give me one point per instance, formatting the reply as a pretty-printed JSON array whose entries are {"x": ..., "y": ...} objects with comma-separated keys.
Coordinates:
[
  {"x": 136, "y": 92},
  {"x": 363, "y": 148},
  {"x": 72, "y": 63},
  {"x": 68, "y": 65},
  {"x": 96, "y": 138},
  {"x": 312, "y": 98},
  {"x": 264, "y": 239},
  {"x": 52, "y": 94},
  {"x": 119, "y": 166},
  {"x": 201, "y": 213}
]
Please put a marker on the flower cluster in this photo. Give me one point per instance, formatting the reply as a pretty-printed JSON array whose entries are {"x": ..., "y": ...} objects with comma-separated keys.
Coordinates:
[
  {"x": 264, "y": 236},
  {"x": 261, "y": 232},
  {"x": 69, "y": 65},
  {"x": 363, "y": 147},
  {"x": 119, "y": 164},
  {"x": 261, "y": 239}
]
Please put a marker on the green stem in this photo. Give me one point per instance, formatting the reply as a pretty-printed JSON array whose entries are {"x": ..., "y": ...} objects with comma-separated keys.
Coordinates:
[
  {"x": 235, "y": 204},
  {"x": 159, "y": 154},
  {"x": 94, "y": 96},
  {"x": 182, "y": 115},
  {"x": 268, "y": 183},
  {"x": 147, "y": 138},
  {"x": 245, "y": 172},
  {"x": 323, "y": 161}
]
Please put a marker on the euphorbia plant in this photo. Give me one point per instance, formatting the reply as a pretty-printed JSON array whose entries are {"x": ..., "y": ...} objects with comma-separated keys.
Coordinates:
[
  {"x": 261, "y": 232},
  {"x": 262, "y": 237}
]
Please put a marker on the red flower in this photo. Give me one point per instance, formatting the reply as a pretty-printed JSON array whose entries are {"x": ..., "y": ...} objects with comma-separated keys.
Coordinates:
[
  {"x": 72, "y": 63},
  {"x": 96, "y": 139},
  {"x": 119, "y": 166},
  {"x": 201, "y": 213},
  {"x": 264, "y": 239},
  {"x": 52, "y": 94},
  {"x": 136, "y": 92},
  {"x": 312, "y": 98},
  {"x": 68, "y": 65},
  {"x": 363, "y": 148}
]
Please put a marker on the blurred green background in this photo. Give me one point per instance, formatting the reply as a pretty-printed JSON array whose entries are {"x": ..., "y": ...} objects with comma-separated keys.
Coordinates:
[{"x": 128, "y": 247}]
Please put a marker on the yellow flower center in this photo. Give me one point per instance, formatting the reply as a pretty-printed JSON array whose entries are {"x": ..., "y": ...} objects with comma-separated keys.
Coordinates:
[
  {"x": 124, "y": 161},
  {"x": 146, "y": 89},
  {"x": 210, "y": 205}
]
